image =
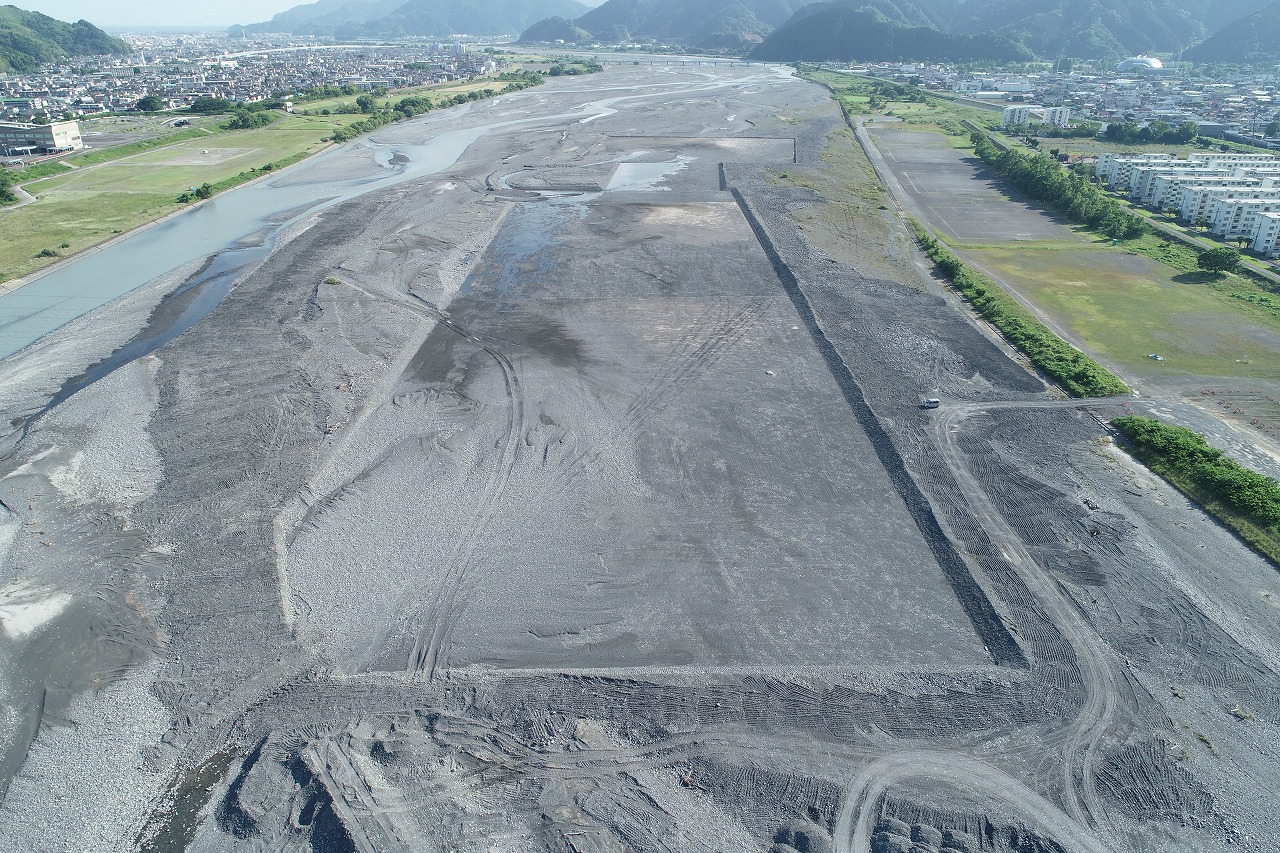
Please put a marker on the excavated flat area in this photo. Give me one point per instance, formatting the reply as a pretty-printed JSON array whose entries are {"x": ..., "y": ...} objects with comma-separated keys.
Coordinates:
[{"x": 631, "y": 454}]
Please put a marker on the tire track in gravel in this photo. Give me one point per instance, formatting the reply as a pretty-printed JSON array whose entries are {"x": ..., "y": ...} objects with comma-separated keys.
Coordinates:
[
  {"x": 425, "y": 655},
  {"x": 856, "y": 819},
  {"x": 1082, "y": 735},
  {"x": 692, "y": 357}
]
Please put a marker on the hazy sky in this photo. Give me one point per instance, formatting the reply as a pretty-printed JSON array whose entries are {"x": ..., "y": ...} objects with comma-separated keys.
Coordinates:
[
  {"x": 165, "y": 13},
  {"x": 159, "y": 13}
]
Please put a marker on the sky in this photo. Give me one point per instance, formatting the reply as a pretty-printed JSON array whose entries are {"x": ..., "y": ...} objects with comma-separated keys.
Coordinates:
[
  {"x": 159, "y": 13},
  {"x": 138, "y": 14}
]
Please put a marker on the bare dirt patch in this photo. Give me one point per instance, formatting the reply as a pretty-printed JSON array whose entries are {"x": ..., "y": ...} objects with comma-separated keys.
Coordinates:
[{"x": 203, "y": 156}]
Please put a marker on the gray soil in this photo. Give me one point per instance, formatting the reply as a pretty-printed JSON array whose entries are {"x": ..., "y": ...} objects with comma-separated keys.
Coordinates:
[{"x": 570, "y": 500}]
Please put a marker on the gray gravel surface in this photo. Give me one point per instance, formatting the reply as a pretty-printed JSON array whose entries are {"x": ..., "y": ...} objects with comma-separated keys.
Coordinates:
[{"x": 588, "y": 506}]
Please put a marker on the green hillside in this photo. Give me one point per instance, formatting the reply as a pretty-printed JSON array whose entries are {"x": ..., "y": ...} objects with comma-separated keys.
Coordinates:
[
  {"x": 843, "y": 34},
  {"x": 1101, "y": 28},
  {"x": 29, "y": 40},
  {"x": 1255, "y": 38}
]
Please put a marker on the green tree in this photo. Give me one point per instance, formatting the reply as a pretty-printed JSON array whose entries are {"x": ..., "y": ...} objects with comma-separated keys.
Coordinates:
[
  {"x": 210, "y": 105},
  {"x": 1272, "y": 129},
  {"x": 366, "y": 103},
  {"x": 149, "y": 104},
  {"x": 1185, "y": 133},
  {"x": 205, "y": 190},
  {"x": 244, "y": 120},
  {"x": 1221, "y": 259}
]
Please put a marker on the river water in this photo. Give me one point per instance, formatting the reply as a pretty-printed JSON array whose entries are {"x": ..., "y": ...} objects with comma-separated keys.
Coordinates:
[
  {"x": 232, "y": 224},
  {"x": 223, "y": 222}
]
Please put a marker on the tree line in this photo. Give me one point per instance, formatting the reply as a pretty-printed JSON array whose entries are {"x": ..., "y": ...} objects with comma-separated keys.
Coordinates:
[
  {"x": 1070, "y": 193},
  {"x": 1157, "y": 132},
  {"x": 413, "y": 105}
]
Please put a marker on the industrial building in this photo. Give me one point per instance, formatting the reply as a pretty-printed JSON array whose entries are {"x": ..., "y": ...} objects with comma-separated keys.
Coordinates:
[{"x": 18, "y": 140}]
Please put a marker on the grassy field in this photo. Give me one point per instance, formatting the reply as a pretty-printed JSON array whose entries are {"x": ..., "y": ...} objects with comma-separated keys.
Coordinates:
[
  {"x": 1125, "y": 306},
  {"x": 1143, "y": 296},
  {"x": 114, "y": 190},
  {"x": 866, "y": 96}
]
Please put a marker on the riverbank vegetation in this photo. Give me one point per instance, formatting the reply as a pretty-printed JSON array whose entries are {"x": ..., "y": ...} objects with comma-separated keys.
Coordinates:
[
  {"x": 409, "y": 107},
  {"x": 1244, "y": 500}
]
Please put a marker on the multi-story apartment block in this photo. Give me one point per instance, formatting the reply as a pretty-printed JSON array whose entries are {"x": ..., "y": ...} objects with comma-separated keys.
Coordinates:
[
  {"x": 1055, "y": 116},
  {"x": 1197, "y": 201},
  {"x": 1142, "y": 179},
  {"x": 1016, "y": 116},
  {"x": 1115, "y": 170},
  {"x": 1238, "y": 217},
  {"x": 1166, "y": 191},
  {"x": 1232, "y": 158},
  {"x": 1266, "y": 235}
]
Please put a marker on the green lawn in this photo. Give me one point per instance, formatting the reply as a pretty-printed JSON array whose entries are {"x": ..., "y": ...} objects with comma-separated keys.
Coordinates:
[
  {"x": 1124, "y": 306},
  {"x": 855, "y": 92},
  {"x": 80, "y": 219}
]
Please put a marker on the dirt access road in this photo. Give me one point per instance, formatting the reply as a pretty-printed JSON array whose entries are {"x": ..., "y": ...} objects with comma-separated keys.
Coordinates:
[{"x": 569, "y": 498}]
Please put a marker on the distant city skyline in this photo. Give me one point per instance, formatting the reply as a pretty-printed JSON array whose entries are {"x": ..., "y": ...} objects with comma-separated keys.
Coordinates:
[{"x": 158, "y": 13}]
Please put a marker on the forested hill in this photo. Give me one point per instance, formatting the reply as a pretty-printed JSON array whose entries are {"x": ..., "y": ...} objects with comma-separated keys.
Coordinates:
[
  {"x": 30, "y": 39},
  {"x": 1255, "y": 38},
  {"x": 709, "y": 24},
  {"x": 843, "y": 34},
  {"x": 1101, "y": 28},
  {"x": 1092, "y": 29}
]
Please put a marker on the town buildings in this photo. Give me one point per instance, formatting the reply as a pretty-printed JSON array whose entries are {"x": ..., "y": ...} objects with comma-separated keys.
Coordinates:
[{"x": 180, "y": 68}]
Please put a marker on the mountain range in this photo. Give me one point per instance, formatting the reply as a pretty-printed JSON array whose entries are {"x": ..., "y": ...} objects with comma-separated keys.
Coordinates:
[
  {"x": 30, "y": 39},
  {"x": 844, "y": 34},
  {"x": 1214, "y": 30},
  {"x": 390, "y": 19},
  {"x": 1090, "y": 29}
]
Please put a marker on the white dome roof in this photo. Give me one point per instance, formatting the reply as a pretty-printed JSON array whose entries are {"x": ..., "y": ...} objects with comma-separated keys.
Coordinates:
[{"x": 1140, "y": 63}]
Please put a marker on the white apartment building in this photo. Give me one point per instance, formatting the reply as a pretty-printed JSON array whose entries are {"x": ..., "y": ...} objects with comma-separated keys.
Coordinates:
[
  {"x": 1238, "y": 217},
  {"x": 1166, "y": 190},
  {"x": 1198, "y": 201},
  {"x": 1266, "y": 235},
  {"x": 1142, "y": 179},
  {"x": 1016, "y": 116},
  {"x": 1054, "y": 116},
  {"x": 1115, "y": 170},
  {"x": 1233, "y": 158}
]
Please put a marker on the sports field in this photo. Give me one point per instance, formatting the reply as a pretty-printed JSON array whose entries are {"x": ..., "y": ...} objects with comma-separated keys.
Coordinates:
[{"x": 1126, "y": 307}]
